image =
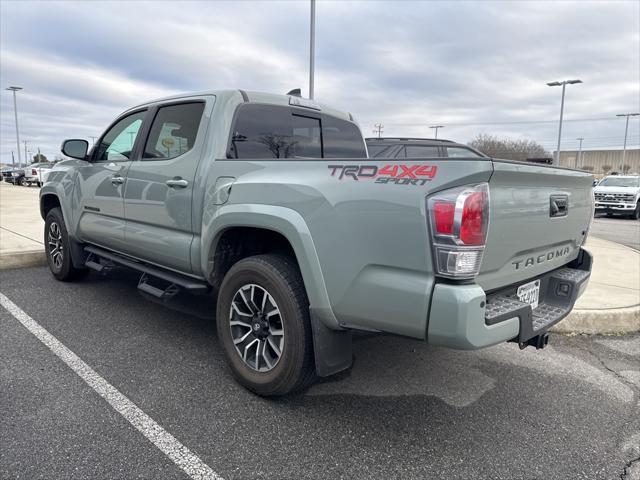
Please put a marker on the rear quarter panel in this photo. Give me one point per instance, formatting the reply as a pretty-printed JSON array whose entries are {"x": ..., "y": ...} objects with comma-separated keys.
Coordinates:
[{"x": 371, "y": 239}]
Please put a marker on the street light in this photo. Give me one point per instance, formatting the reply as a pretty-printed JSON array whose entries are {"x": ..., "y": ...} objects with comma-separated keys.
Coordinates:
[
  {"x": 15, "y": 113},
  {"x": 563, "y": 83},
  {"x": 436, "y": 127},
  {"x": 626, "y": 129},
  {"x": 579, "y": 157},
  {"x": 312, "y": 47}
]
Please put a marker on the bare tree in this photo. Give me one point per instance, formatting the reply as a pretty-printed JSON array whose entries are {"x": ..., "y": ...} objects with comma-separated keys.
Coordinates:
[
  {"x": 587, "y": 168},
  {"x": 606, "y": 169},
  {"x": 508, "y": 148},
  {"x": 626, "y": 168}
]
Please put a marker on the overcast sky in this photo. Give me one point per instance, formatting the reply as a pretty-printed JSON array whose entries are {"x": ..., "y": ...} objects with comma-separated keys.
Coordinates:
[{"x": 476, "y": 67}]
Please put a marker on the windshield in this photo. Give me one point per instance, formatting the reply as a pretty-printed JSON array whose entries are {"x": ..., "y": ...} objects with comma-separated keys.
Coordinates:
[{"x": 620, "y": 182}]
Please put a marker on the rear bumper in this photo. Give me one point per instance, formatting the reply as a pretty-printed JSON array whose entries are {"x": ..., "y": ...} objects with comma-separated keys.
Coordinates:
[{"x": 465, "y": 317}]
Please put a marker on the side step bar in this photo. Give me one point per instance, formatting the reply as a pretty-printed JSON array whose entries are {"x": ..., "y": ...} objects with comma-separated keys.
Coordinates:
[{"x": 174, "y": 280}]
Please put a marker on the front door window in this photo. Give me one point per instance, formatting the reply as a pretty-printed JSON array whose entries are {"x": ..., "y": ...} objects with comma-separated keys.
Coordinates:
[{"x": 117, "y": 144}]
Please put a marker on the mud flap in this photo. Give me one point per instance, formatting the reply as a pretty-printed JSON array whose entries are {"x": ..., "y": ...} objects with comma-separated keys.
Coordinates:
[{"x": 332, "y": 348}]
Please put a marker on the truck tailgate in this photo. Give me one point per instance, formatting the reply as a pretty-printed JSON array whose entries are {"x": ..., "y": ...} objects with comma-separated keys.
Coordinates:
[{"x": 538, "y": 220}]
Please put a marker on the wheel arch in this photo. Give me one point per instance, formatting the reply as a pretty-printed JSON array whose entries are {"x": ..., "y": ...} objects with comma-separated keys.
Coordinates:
[
  {"x": 48, "y": 201},
  {"x": 282, "y": 226}
]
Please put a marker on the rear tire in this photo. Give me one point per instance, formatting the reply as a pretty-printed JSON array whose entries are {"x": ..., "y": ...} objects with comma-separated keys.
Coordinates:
[
  {"x": 246, "y": 323},
  {"x": 57, "y": 247}
]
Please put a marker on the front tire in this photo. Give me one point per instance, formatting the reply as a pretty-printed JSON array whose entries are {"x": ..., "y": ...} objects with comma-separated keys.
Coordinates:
[
  {"x": 264, "y": 327},
  {"x": 57, "y": 247},
  {"x": 636, "y": 213}
]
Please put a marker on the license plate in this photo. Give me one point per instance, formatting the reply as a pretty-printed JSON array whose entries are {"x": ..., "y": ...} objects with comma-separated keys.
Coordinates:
[{"x": 529, "y": 293}]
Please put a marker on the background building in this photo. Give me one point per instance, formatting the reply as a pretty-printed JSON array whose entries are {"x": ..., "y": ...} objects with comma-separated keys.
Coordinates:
[{"x": 602, "y": 161}]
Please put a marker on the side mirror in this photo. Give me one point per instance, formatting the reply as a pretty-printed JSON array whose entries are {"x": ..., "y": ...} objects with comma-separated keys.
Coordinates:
[{"x": 75, "y": 148}]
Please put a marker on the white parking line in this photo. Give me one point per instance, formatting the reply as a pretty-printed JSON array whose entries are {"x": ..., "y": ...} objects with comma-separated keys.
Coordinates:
[{"x": 167, "y": 443}]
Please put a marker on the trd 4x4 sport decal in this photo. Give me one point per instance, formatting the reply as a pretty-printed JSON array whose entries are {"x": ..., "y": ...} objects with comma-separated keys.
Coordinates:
[{"x": 397, "y": 174}]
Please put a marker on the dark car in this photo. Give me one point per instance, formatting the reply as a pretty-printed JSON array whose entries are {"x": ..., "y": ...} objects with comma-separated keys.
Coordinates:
[
  {"x": 14, "y": 175},
  {"x": 6, "y": 174},
  {"x": 387, "y": 147}
]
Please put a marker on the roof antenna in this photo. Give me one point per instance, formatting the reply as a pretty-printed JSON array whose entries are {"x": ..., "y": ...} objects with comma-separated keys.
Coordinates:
[{"x": 296, "y": 92}]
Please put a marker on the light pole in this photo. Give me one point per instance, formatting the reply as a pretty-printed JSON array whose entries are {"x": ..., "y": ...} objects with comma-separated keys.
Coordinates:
[
  {"x": 26, "y": 158},
  {"x": 579, "y": 157},
  {"x": 378, "y": 130},
  {"x": 15, "y": 113},
  {"x": 312, "y": 47},
  {"x": 626, "y": 129},
  {"x": 564, "y": 84},
  {"x": 436, "y": 127}
]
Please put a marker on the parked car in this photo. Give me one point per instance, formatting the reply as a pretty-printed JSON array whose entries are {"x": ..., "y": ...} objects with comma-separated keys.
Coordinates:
[
  {"x": 618, "y": 194},
  {"x": 35, "y": 173},
  {"x": 6, "y": 174},
  {"x": 15, "y": 176},
  {"x": 271, "y": 202},
  {"x": 392, "y": 147}
]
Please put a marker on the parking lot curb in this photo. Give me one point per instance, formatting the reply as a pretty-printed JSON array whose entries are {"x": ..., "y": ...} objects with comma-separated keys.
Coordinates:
[
  {"x": 34, "y": 258},
  {"x": 604, "y": 321}
]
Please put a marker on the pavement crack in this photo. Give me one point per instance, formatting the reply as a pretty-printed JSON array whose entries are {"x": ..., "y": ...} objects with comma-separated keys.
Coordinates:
[
  {"x": 620, "y": 377},
  {"x": 626, "y": 471},
  {"x": 630, "y": 466}
]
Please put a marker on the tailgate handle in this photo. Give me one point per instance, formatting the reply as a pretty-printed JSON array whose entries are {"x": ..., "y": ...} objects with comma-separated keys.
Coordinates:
[{"x": 558, "y": 205}]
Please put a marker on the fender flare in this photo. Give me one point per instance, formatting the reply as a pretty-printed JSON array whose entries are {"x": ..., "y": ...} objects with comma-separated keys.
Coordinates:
[
  {"x": 78, "y": 256},
  {"x": 332, "y": 344}
]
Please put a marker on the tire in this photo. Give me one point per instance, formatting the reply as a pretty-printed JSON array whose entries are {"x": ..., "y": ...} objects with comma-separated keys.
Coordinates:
[
  {"x": 278, "y": 276},
  {"x": 57, "y": 248},
  {"x": 636, "y": 213},
  {"x": 22, "y": 182}
]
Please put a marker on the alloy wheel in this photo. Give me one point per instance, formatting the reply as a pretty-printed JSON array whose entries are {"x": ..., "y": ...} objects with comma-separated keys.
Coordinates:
[
  {"x": 56, "y": 250},
  {"x": 256, "y": 326}
]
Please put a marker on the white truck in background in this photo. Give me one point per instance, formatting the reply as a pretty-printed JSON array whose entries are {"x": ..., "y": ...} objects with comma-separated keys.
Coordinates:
[{"x": 618, "y": 194}]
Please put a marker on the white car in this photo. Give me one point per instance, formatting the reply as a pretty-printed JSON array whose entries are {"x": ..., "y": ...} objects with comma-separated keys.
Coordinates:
[
  {"x": 36, "y": 173},
  {"x": 618, "y": 194}
]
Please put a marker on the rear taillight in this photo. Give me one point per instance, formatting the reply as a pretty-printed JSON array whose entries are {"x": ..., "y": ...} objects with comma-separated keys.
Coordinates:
[
  {"x": 33, "y": 171},
  {"x": 459, "y": 220}
]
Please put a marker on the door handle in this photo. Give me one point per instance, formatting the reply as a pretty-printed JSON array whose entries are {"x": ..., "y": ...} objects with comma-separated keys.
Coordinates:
[
  {"x": 177, "y": 183},
  {"x": 117, "y": 180}
]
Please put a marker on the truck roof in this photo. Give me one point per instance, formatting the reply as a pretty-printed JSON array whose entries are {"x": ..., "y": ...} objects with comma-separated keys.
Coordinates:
[
  {"x": 253, "y": 97},
  {"x": 422, "y": 141}
]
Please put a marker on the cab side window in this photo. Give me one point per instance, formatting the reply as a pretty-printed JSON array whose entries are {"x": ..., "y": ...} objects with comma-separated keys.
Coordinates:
[
  {"x": 262, "y": 131},
  {"x": 173, "y": 131},
  {"x": 117, "y": 144}
]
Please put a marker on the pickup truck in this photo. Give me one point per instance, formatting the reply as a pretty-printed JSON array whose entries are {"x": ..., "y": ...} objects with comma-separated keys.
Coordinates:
[
  {"x": 618, "y": 194},
  {"x": 403, "y": 147},
  {"x": 270, "y": 203},
  {"x": 36, "y": 173}
]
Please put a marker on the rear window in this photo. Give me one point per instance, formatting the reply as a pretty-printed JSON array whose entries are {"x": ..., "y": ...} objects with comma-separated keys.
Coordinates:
[
  {"x": 342, "y": 139},
  {"x": 267, "y": 131}
]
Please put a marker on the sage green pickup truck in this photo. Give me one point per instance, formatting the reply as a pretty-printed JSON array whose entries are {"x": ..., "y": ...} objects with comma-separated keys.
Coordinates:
[{"x": 270, "y": 204}]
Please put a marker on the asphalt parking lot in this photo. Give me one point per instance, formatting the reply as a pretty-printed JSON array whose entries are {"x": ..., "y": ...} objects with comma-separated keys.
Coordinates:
[
  {"x": 617, "y": 229},
  {"x": 405, "y": 410}
]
